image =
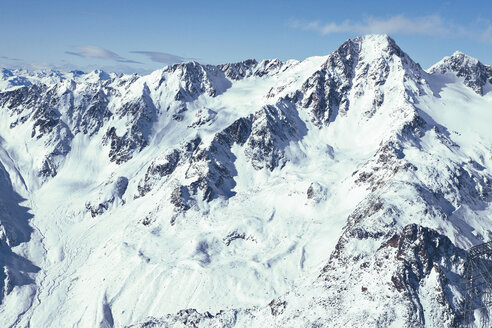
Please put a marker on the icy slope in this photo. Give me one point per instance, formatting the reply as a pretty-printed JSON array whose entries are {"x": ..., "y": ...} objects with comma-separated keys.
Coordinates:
[{"x": 340, "y": 187}]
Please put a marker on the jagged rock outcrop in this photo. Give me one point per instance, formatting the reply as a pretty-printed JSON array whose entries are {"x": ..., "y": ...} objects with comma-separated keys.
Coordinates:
[
  {"x": 139, "y": 116},
  {"x": 238, "y": 71},
  {"x": 316, "y": 192},
  {"x": 196, "y": 79},
  {"x": 110, "y": 193},
  {"x": 272, "y": 129},
  {"x": 91, "y": 113},
  {"x": 326, "y": 91}
]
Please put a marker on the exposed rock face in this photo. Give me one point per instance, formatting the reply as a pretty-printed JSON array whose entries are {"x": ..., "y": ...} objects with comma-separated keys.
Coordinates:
[
  {"x": 411, "y": 264},
  {"x": 91, "y": 113},
  {"x": 158, "y": 169},
  {"x": 108, "y": 194},
  {"x": 139, "y": 117},
  {"x": 316, "y": 192},
  {"x": 429, "y": 260},
  {"x": 272, "y": 128},
  {"x": 238, "y": 71},
  {"x": 326, "y": 91},
  {"x": 196, "y": 79},
  {"x": 268, "y": 67}
]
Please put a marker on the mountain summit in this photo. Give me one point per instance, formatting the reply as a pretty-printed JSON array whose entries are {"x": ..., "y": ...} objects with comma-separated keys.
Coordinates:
[
  {"x": 341, "y": 190},
  {"x": 475, "y": 74}
]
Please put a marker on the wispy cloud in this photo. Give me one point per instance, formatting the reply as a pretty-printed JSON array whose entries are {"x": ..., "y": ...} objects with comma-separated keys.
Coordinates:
[
  {"x": 433, "y": 25},
  {"x": 161, "y": 57},
  {"x": 485, "y": 33},
  {"x": 9, "y": 58},
  {"x": 91, "y": 51},
  {"x": 425, "y": 25}
]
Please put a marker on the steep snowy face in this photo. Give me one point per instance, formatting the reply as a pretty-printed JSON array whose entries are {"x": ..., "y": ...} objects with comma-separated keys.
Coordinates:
[
  {"x": 475, "y": 75},
  {"x": 338, "y": 190}
]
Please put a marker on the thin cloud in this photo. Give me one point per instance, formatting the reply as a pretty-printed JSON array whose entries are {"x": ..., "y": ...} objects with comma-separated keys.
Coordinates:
[
  {"x": 9, "y": 58},
  {"x": 433, "y": 25},
  {"x": 400, "y": 24},
  {"x": 485, "y": 34},
  {"x": 161, "y": 57},
  {"x": 91, "y": 51}
]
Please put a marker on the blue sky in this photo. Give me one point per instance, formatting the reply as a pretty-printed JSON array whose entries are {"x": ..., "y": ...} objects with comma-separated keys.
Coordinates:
[{"x": 140, "y": 36}]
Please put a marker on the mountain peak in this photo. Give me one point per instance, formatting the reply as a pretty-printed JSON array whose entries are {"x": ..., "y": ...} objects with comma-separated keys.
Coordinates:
[
  {"x": 376, "y": 43},
  {"x": 373, "y": 46},
  {"x": 464, "y": 58},
  {"x": 6, "y": 72},
  {"x": 474, "y": 73},
  {"x": 376, "y": 38},
  {"x": 375, "y": 50},
  {"x": 99, "y": 74}
]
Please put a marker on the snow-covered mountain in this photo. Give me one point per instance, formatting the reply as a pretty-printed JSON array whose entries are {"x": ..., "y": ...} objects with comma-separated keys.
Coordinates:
[
  {"x": 336, "y": 191},
  {"x": 14, "y": 78}
]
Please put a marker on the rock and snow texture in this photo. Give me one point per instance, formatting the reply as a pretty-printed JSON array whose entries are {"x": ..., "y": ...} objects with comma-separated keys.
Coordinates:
[
  {"x": 476, "y": 75},
  {"x": 336, "y": 191}
]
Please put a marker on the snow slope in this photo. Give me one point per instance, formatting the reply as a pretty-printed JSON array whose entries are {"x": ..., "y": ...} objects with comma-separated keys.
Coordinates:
[{"x": 339, "y": 190}]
